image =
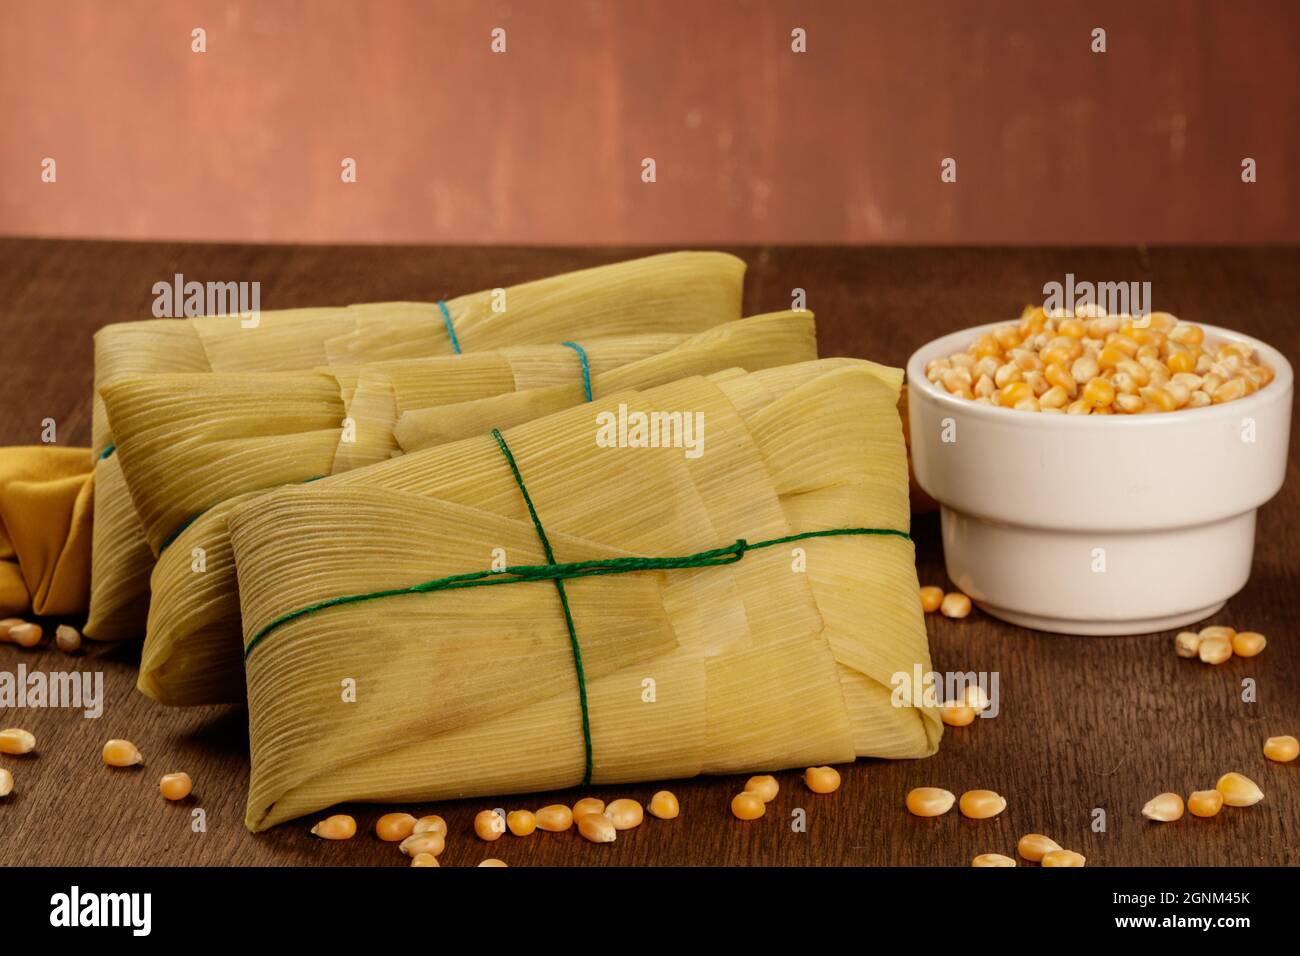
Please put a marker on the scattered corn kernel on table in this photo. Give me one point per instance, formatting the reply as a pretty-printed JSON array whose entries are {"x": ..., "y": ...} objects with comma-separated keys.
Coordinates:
[{"x": 1089, "y": 728}]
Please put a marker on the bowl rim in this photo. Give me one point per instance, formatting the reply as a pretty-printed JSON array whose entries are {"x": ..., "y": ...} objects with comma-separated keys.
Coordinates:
[{"x": 1283, "y": 380}]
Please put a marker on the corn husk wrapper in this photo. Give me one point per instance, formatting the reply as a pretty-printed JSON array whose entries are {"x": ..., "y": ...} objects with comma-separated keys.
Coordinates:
[
  {"x": 380, "y": 392},
  {"x": 674, "y": 292},
  {"x": 120, "y": 558},
  {"x": 249, "y": 431},
  {"x": 779, "y": 338},
  {"x": 686, "y": 288},
  {"x": 753, "y": 665},
  {"x": 191, "y": 654}
]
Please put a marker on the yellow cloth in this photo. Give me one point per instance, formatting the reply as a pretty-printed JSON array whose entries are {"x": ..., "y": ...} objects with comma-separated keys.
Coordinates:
[{"x": 46, "y": 496}]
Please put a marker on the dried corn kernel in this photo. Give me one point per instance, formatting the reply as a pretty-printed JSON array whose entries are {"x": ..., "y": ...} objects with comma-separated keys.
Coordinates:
[
  {"x": 17, "y": 741},
  {"x": 1084, "y": 370},
  {"x": 664, "y": 805},
  {"x": 521, "y": 822},
  {"x": 1187, "y": 644},
  {"x": 955, "y": 605},
  {"x": 597, "y": 828},
  {"x": 121, "y": 753},
  {"x": 1008, "y": 374},
  {"x": 1164, "y": 808},
  {"x": 929, "y": 801},
  {"x": 748, "y": 806},
  {"x": 1063, "y": 858},
  {"x": 1129, "y": 404},
  {"x": 1282, "y": 749},
  {"x": 1229, "y": 391},
  {"x": 175, "y": 786},
  {"x": 1098, "y": 392},
  {"x": 1158, "y": 398},
  {"x": 1032, "y": 846},
  {"x": 1054, "y": 397},
  {"x": 1011, "y": 395},
  {"x": 493, "y": 861},
  {"x": 764, "y": 787},
  {"x": 427, "y": 842},
  {"x": 424, "y": 859},
  {"x": 588, "y": 805},
  {"x": 624, "y": 814},
  {"x": 338, "y": 827},
  {"x": 1248, "y": 643},
  {"x": 67, "y": 639},
  {"x": 394, "y": 827},
  {"x": 1214, "y": 650},
  {"x": 430, "y": 841},
  {"x": 985, "y": 345},
  {"x": 1204, "y": 803},
  {"x": 1007, "y": 336},
  {"x": 981, "y": 804},
  {"x": 555, "y": 818},
  {"x": 489, "y": 825},
  {"x": 1239, "y": 790},
  {"x": 26, "y": 635},
  {"x": 954, "y": 713},
  {"x": 931, "y": 598},
  {"x": 992, "y": 859},
  {"x": 6, "y": 782},
  {"x": 1059, "y": 377},
  {"x": 430, "y": 824},
  {"x": 822, "y": 779}
]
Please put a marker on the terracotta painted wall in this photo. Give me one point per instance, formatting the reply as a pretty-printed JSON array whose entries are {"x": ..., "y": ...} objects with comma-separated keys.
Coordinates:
[{"x": 753, "y": 143}]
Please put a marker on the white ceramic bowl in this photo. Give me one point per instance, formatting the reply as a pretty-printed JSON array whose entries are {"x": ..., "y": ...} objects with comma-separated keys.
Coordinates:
[{"x": 1099, "y": 524}]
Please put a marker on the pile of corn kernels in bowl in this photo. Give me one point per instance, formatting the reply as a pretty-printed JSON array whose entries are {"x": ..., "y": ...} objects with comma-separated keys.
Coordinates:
[{"x": 1068, "y": 364}]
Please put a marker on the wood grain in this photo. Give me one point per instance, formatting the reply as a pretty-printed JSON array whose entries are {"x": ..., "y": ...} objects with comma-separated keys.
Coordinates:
[{"x": 1086, "y": 723}]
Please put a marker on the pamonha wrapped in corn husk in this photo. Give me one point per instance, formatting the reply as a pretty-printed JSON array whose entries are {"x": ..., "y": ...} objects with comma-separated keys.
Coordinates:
[
  {"x": 724, "y": 657},
  {"x": 674, "y": 292}
]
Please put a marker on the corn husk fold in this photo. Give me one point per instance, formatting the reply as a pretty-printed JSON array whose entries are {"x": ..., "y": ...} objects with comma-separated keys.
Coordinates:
[{"x": 781, "y": 659}]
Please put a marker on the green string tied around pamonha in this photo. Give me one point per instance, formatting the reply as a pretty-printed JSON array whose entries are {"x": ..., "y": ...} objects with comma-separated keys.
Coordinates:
[{"x": 561, "y": 572}]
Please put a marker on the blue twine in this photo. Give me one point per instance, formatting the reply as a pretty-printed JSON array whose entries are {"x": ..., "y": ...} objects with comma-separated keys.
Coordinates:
[
  {"x": 586, "y": 369},
  {"x": 451, "y": 332}
]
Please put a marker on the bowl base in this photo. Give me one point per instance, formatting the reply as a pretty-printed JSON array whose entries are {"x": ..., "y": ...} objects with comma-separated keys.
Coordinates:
[{"x": 1056, "y": 625}]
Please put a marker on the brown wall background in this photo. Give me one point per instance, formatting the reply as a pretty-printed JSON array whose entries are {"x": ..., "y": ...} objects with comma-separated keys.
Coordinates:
[{"x": 753, "y": 143}]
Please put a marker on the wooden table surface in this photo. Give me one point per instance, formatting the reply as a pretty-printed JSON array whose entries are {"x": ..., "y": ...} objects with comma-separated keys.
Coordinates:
[{"x": 1087, "y": 723}]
